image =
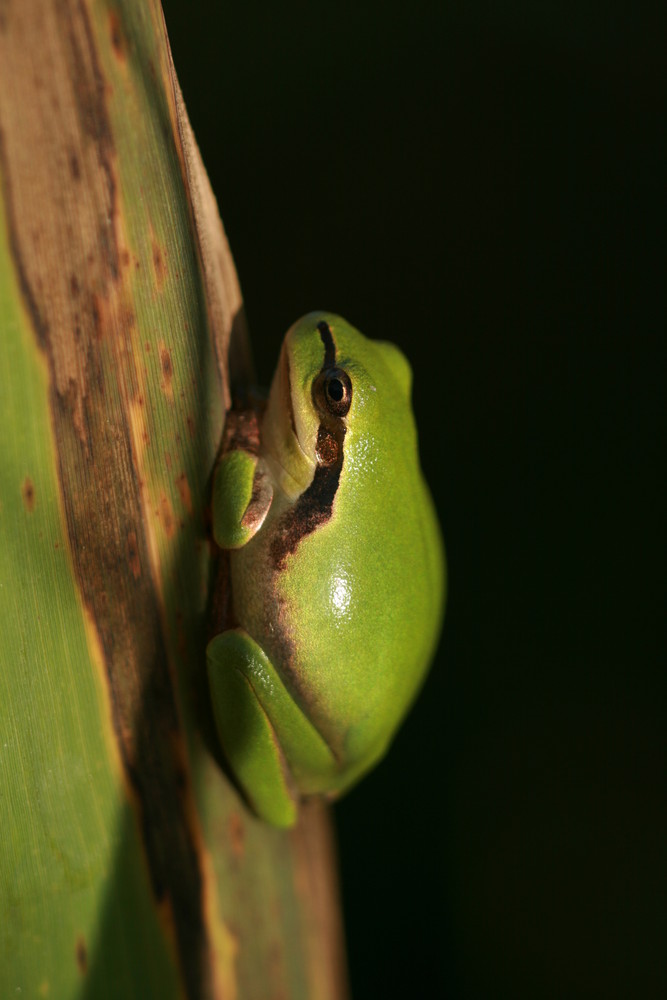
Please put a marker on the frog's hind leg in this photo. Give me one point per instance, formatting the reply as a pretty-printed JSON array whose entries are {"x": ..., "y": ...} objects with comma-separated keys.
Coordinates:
[{"x": 245, "y": 731}]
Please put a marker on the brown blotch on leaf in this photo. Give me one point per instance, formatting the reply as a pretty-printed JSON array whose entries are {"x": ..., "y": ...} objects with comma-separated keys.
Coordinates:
[
  {"x": 126, "y": 318},
  {"x": 133, "y": 555},
  {"x": 167, "y": 515},
  {"x": 183, "y": 488},
  {"x": 81, "y": 954},
  {"x": 116, "y": 33},
  {"x": 167, "y": 370},
  {"x": 28, "y": 494},
  {"x": 237, "y": 835},
  {"x": 159, "y": 264},
  {"x": 74, "y": 166}
]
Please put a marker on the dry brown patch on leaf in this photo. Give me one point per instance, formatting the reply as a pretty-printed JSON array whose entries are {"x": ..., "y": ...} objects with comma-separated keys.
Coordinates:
[
  {"x": 118, "y": 43},
  {"x": 133, "y": 555},
  {"x": 183, "y": 488},
  {"x": 167, "y": 370},
  {"x": 237, "y": 836},
  {"x": 159, "y": 263},
  {"x": 81, "y": 954},
  {"x": 167, "y": 516},
  {"x": 28, "y": 494}
]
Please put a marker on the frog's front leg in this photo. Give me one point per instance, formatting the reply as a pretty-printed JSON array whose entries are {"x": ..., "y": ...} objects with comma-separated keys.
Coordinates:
[
  {"x": 242, "y": 496},
  {"x": 274, "y": 751}
]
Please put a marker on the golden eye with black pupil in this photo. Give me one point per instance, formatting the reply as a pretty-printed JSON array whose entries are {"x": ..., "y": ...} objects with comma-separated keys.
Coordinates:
[{"x": 332, "y": 392}]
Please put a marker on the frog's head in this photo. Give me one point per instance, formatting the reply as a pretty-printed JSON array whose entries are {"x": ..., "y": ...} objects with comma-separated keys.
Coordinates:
[{"x": 331, "y": 381}]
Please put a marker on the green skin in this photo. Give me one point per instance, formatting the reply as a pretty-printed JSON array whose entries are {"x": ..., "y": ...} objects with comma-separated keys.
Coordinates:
[{"x": 337, "y": 571}]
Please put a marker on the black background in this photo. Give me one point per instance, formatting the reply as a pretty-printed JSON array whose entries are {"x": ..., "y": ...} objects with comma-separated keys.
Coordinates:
[{"x": 482, "y": 183}]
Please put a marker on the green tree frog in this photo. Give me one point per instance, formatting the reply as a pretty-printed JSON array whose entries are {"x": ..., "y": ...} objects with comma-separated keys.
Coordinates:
[{"x": 337, "y": 570}]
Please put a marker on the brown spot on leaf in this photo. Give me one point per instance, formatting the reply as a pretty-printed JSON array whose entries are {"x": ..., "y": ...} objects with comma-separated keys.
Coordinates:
[
  {"x": 74, "y": 166},
  {"x": 126, "y": 318},
  {"x": 74, "y": 285},
  {"x": 81, "y": 954},
  {"x": 116, "y": 34},
  {"x": 183, "y": 488},
  {"x": 167, "y": 371},
  {"x": 159, "y": 264},
  {"x": 167, "y": 516},
  {"x": 133, "y": 554},
  {"x": 28, "y": 494}
]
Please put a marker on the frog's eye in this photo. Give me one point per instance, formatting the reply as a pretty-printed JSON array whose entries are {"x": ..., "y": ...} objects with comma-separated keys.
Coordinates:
[{"x": 332, "y": 392}]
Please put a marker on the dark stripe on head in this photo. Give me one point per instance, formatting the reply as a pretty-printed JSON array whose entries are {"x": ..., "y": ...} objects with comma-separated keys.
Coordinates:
[
  {"x": 329, "y": 345},
  {"x": 313, "y": 508}
]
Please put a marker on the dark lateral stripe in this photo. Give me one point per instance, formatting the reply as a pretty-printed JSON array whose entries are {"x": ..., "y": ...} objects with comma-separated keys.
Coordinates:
[
  {"x": 314, "y": 506},
  {"x": 87, "y": 306}
]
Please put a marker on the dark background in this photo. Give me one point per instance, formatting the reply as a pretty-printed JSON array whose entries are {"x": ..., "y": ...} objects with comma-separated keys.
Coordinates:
[{"x": 482, "y": 183}]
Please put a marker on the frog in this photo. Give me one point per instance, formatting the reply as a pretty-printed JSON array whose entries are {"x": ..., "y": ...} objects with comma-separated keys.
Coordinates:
[{"x": 337, "y": 570}]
